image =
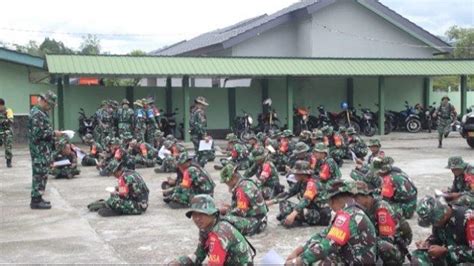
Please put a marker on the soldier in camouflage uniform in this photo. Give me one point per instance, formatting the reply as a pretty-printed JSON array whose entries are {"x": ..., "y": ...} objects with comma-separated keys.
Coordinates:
[
  {"x": 326, "y": 168},
  {"x": 363, "y": 172},
  {"x": 335, "y": 144},
  {"x": 105, "y": 122},
  {"x": 98, "y": 116},
  {"x": 41, "y": 141},
  {"x": 168, "y": 163},
  {"x": 125, "y": 117},
  {"x": 248, "y": 211},
  {"x": 283, "y": 150},
  {"x": 92, "y": 158},
  {"x": 130, "y": 195},
  {"x": 237, "y": 153},
  {"x": 452, "y": 239},
  {"x": 197, "y": 128},
  {"x": 151, "y": 125},
  {"x": 312, "y": 206},
  {"x": 349, "y": 240},
  {"x": 462, "y": 190},
  {"x": 394, "y": 234},
  {"x": 397, "y": 188},
  {"x": 219, "y": 240},
  {"x": 64, "y": 151},
  {"x": 446, "y": 114},
  {"x": 252, "y": 143},
  {"x": 115, "y": 152},
  {"x": 139, "y": 121},
  {"x": 356, "y": 144},
  {"x": 194, "y": 180},
  {"x": 142, "y": 154},
  {"x": 305, "y": 136},
  {"x": 6, "y": 131},
  {"x": 266, "y": 174}
]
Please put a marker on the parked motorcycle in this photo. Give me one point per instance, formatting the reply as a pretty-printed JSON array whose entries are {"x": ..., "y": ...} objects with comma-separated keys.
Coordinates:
[
  {"x": 326, "y": 118},
  {"x": 303, "y": 120},
  {"x": 86, "y": 124},
  {"x": 368, "y": 126},
  {"x": 349, "y": 118},
  {"x": 243, "y": 125},
  {"x": 268, "y": 120},
  {"x": 467, "y": 126},
  {"x": 426, "y": 115},
  {"x": 389, "y": 118},
  {"x": 168, "y": 122},
  {"x": 409, "y": 119}
]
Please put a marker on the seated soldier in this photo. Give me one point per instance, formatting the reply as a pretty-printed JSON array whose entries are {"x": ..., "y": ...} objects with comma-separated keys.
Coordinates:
[
  {"x": 64, "y": 153},
  {"x": 168, "y": 163},
  {"x": 326, "y": 168},
  {"x": 305, "y": 137},
  {"x": 194, "y": 180},
  {"x": 92, "y": 158},
  {"x": 300, "y": 153},
  {"x": 363, "y": 172},
  {"x": 283, "y": 150},
  {"x": 312, "y": 207},
  {"x": 335, "y": 144},
  {"x": 356, "y": 144},
  {"x": 462, "y": 190},
  {"x": 219, "y": 240},
  {"x": 142, "y": 154},
  {"x": 266, "y": 174},
  {"x": 237, "y": 154},
  {"x": 115, "y": 151},
  {"x": 248, "y": 211},
  {"x": 130, "y": 195},
  {"x": 452, "y": 239},
  {"x": 349, "y": 240}
]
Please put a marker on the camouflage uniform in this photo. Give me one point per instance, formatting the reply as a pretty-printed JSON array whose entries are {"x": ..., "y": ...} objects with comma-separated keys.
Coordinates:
[
  {"x": 223, "y": 244},
  {"x": 312, "y": 207},
  {"x": 464, "y": 183},
  {"x": 92, "y": 158},
  {"x": 140, "y": 121},
  {"x": 117, "y": 153},
  {"x": 364, "y": 172},
  {"x": 125, "y": 116},
  {"x": 248, "y": 211},
  {"x": 6, "y": 132},
  {"x": 335, "y": 144},
  {"x": 151, "y": 125},
  {"x": 283, "y": 150},
  {"x": 456, "y": 234},
  {"x": 397, "y": 188},
  {"x": 168, "y": 163},
  {"x": 105, "y": 124},
  {"x": 326, "y": 169},
  {"x": 446, "y": 114},
  {"x": 64, "y": 151},
  {"x": 142, "y": 154},
  {"x": 356, "y": 144},
  {"x": 237, "y": 153},
  {"x": 197, "y": 127}
]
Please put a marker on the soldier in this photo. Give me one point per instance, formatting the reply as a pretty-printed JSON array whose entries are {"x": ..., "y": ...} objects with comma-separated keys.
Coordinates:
[
  {"x": 106, "y": 122},
  {"x": 6, "y": 131},
  {"x": 237, "y": 154},
  {"x": 221, "y": 242},
  {"x": 350, "y": 239},
  {"x": 96, "y": 149},
  {"x": 335, "y": 144},
  {"x": 98, "y": 117},
  {"x": 397, "y": 188},
  {"x": 394, "y": 234},
  {"x": 142, "y": 154},
  {"x": 266, "y": 173},
  {"x": 462, "y": 190},
  {"x": 151, "y": 125},
  {"x": 140, "y": 121},
  {"x": 64, "y": 151},
  {"x": 312, "y": 207},
  {"x": 198, "y": 130},
  {"x": 446, "y": 114},
  {"x": 305, "y": 136},
  {"x": 252, "y": 143},
  {"x": 452, "y": 239},
  {"x": 195, "y": 180},
  {"x": 362, "y": 172},
  {"x": 326, "y": 168},
  {"x": 41, "y": 140},
  {"x": 116, "y": 152},
  {"x": 374, "y": 147},
  {"x": 356, "y": 144},
  {"x": 300, "y": 153},
  {"x": 248, "y": 211},
  {"x": 125, "y": 116},
  {"x": 168, "y": 163},
  {"x": 130, "y": 195}
]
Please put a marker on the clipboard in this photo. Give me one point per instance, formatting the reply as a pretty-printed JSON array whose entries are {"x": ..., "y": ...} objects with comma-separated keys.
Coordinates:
[{"x": 205, "y": 146}]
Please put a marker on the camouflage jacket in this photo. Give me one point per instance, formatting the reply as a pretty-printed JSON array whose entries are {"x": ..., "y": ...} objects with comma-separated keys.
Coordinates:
[
  {"x": 125, "y": 116},
  {"x": 398, "y": 187},
  {"x": 351, "y": 238},
  {"x": 40, "y": 134},
  {"x": 198, "y": 121},
  {"x": 447, "y": 112},
  {"x": 95, "y": 150},
  {"x": 132, "y": 186},
  {"x": 150, "y": 117},
  {"x": 238, "y": 152},
  {"x": 6, "y": 119},
  {"x": 327, "y": 170},
  {"x": 464, "y": 182},
  {"x": 198, "y": 180},
  {"x": 386, "y": 221},
  {"x": 104, "y": 118},
  {"x": 247, "y": 200},
  {"x": 358, "y": 146},
  {"x": 457, "y": 236},
  {"x": 143, "y": 150},
  {"x": 266, "y": 173},
  {"x": 223, "y": 244},
  {"x": 140, "y": 118},
  {"x": 311, "y": 193}
]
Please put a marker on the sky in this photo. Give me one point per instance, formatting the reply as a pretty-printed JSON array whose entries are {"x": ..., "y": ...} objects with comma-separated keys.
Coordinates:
[{"x": 147, "y": 25}]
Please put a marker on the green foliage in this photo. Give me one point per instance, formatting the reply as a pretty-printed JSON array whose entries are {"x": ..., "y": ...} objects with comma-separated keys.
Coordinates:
[
  {"x": 51, "y": 46},
  {"x": 464, "y": 41},
  {"x": 90, "y": 45}
]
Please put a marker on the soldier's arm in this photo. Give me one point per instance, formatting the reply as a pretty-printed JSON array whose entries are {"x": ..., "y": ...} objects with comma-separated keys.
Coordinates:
[
  {"x": 309, "y": 195},
  {"x": 461, "y": 253},
  {"x": 198, "y": 256},
  {"x": 41, "y": 131}
]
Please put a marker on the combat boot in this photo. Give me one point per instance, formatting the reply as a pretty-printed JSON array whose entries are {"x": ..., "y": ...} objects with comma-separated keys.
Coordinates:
[
  {"x": 107, "y": 212},
  {"x": 440, "y": 145},
  {"x": 39, "y": 204},
  {"x": 218, "y": 167},
  {"x": 9, "y": 163}
]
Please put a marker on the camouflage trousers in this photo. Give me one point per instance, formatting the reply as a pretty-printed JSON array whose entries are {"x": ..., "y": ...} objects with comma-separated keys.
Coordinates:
[
  {"x": 65, "y": 172},
  {"x": 89, "y": 160},
  {"x": 202, "y": 157},
  {"x": 243, "y": 164},
  {"x": 40, "y": 169},
  {"x": 247, "y": 225},
  {"x": 389, "y": 253},
  {"x": 127, "y": 205},
  {"x": 270, "y": 191},
  {"x": 407, "y": 208},
  {"x": 6, "y": 138},
  {"x": 444, "y": 127},
  {"x": 142, "y": 162},
  {"x": 168, "y": 164},
  {"x": 150, "y": 134},
  {"x": 124, "y": 128},
  {"x": 465, "y": 200},
  {"x": 319, "y": 216},
  {"x": 421, "y": 257},
  {"x": 178, "y": 198},
  {"x": 139, "y": 134}
]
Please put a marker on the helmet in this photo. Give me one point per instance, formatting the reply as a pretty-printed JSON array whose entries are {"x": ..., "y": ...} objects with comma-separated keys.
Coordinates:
[
  {"x": 302, "y": 168},
  {"x": 203, "y": 204},
  {"x": 344, "y": 106},
  {"x": 227, "y": 172}
]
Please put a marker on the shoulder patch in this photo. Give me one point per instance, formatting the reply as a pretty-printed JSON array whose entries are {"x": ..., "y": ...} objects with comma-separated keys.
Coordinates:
[
  {"x": 386, "y": 223},
  {"x": 311, "y": 190},
  {"x": 340, "y": 231}
]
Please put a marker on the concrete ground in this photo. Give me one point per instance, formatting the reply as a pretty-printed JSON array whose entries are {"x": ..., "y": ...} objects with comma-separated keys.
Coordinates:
[{"x": 69, "y": 233}]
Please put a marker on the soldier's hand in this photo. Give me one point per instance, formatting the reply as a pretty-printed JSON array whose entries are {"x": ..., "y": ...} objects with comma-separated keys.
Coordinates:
[
  {"x": 58, "y": 133},
  {"x": 453, "y": 196},
  {"x": 290, "y": 219},
  {"x": 436, "y": 251}
]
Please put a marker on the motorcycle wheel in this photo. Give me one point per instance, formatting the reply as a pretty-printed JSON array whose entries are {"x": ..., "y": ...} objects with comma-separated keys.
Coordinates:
[
  {"x": 388, "y": 127},
  {"x": 470, "y": 142},
  {"x": 413, "y": 125},
  {"x": 370, "y": 131},
  {"x": 245, "y": 134}
]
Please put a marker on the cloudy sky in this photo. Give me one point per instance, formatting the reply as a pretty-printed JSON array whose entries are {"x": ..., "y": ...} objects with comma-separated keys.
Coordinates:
[{"x": 147, "y": 25}]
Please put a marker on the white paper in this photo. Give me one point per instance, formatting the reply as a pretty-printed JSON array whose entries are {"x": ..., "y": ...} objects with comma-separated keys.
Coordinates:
[
  {"x": 270, "y": 149},
  {"x": 272, "y": 258},
  {"x": 439, "y": 193},
  {"x": 110, "y": 189},
  {"x": 354, "y": 157},
  {"x": 69, "y": 133},
  {"x": 62, "y": 162},
  {"x": 163, "y": 152},
  {"x": 205, "y": 146},
  {"x": 291, "y": 178},
  {"x": 80, "y": 154}
]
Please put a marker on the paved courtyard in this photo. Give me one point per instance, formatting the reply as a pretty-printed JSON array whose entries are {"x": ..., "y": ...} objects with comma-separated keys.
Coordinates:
[{"x": 69, "y": 233}]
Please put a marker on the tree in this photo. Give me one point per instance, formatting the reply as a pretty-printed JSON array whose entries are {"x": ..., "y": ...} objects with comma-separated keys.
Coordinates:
[
  {"x": 90, "y": 45},
  {"x": 51, "y": 46},
  {"x": 464, "y": 41}
]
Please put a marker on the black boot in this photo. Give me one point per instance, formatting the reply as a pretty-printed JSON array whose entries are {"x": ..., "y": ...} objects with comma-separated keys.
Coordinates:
[
  {"x": 39, "y": 204},
  {"x": 107, "y": 212},
  {"x": 9, "y": 163},
  {"x": 440, "y": 145}
]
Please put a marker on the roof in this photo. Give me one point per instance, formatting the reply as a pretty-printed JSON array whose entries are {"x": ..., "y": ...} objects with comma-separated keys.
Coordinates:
[
  {"x": 156, "y": 66},
  {"x": 21, "y": 58},
  {"x": 234, "y": 34}
]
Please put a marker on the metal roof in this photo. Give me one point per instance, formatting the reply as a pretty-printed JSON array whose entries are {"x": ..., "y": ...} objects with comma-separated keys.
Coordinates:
[
  {"x": 154, "y": 66},
  {"x": 234, "y": 34},
  {"x": 21, "y": 58}
]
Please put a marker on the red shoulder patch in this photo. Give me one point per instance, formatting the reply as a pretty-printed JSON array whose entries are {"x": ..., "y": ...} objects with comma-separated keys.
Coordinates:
[
  {"x": 388, "y": 189},
  {"x": 385, "y": 222},
  {"x": 469, "y": 179},
  {"x": 311, "y": 190},
  {"x": 325, "y": 172},
  {"x": 243, "y": 203},
  {"x": 470, "y": 231},
  {"x": 340, "y": 231},
  {"x": 118, "y": 154},
  {"x": 216, "y": 253},
  {"x": 122, "y": 187},
  {"x": 266, "y": 171},
  {"x": 187, "y": 180}
]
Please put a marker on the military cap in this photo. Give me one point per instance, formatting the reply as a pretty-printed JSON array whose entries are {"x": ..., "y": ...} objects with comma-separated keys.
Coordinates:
[
  {"x": 382, "y": 164},
  {"x": 301, "y": 168},
  {"x": 114, "y": 103},
  {"x": 342, "y": 129},
  {"x": 374, "y": 142},
  {"x": 287, "y": 133},
  {"x": 168, "y": 144},
  {"x": 321, "y": 147},
  {"x": 305, "y": 134},
  {"x": 201, "y": 100},
  {"x": 300, "y": 148},
  {"x": 231, "y": 137},
  {"x": 430, "y": 211},
  {"x": 340, "y": 186},
  {"x": 125, "y": 101},
  {"x": 351, "y": 131},
  {"x": 115, "y": 141},
  {"x": 50, "y": 97},
  {"x": 257, "y": 154},
  {"x": 113, "y": 166},
  {"x": 183, "y": 158},
  {"x": 317, "y": 135},
  {"x": 227, "y": 172},
  {"x": 456, "y": 162},
  {"x": 203, "y": 204}
]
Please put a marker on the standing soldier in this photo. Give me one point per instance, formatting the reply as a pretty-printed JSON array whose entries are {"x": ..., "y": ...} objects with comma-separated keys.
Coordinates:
[
  {"x": 125, "y": 117},
  {"x": 6, "y": 131},
  {"x": 446, "y": 114},
  {"x": 151, "y": 125},
  {"x": 140, "y": 121},
  {"x": 198, "y": 129},
  {"x": 41, "y": 141}
]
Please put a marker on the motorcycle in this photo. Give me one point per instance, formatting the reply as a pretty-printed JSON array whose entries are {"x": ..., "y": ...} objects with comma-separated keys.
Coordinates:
[
  {"x": 303, "y": 120},
  {"x": 349, "y": 118},
  {"x": 426, "y": 115},
  {"x": 389, "y": 118},
  {"x": 326, "y": 118},
  {"x": 409, "y": 119},
  {"x": 243, "y": 125},
  {"x": 86, "y": 124},
  {"x": 368, "y": 125},
  {"x": 268, "y": 121},
  {"x": 168, "y": 122},
  {"x": 467, "y": 126}
]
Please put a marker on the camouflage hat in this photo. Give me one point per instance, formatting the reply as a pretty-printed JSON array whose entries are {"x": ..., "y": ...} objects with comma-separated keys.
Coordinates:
[
  {"x": 159, "y": 133},
  {"x": 351, "y": 131},
  {"x": 227, "y": 172},
  {"x": 104, "y": 102},
  {"x": 170, "y": 137},
  {"x": 50, "y": 97},
  {"x": 231, "y": 137},
  {"x": 300, "y": 148},
  {"x": 317, "y": 135},
  {"x": 115, "y": 141},
  {"x": 138, "y": 103},
  {"x": 125, "y": 101},
  {"x": 305, "y": 135},
  {"x": 167, "y": 144},
  {"x": 456, "y": 162},
  {"x": 320, "y": 147},
  {"x": 114, "y": 103},
  {"x": 257, "y": 154},
  {"x": 301, "y": 168},
  {"x": 430, "y": 211},
  {"x": 201, "y": 100},
  {"x": 183, "y": 158},
  {"x": 113, "y": 166},
  {"x": 287, "y": 133},
  {"x": 362, "y": 188},
  {"x": 374, "y": 142},
  {"x": 203, "y": 204},
  {"x": 382, "y": 164},
  {"x": 88, "y": 137},
  {"x": 340, "y": 186},
  {"x": 342, "y": 129},
  {"x": 327, "y": 130},
  {"x": 127, "y": 136}
]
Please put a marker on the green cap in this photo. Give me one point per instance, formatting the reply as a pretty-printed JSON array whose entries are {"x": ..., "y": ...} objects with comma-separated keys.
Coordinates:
[
  {"x": 327, "y": 130},
  {"x": 231, "y": 137},
  {"x": 320, "y": 147},
  {"x": 300, "y": 148},
  {"x": 430, "y": 211},
  {"x": 183, "y": 158},
  {"x": 339, "y": 186},
  {"x": 113, "y": 166},
  {"x": 287, "y": 133},
  {"x": 227, "y": 172},
  {"x": 257, "y": 154},
  {"x": 305, "y": 135},
  {"x": 342, "y": 129},
  {"x": 351, "y": 131},
  {"x": 374, "y": 142},
  {"x": 301, "y": 168},
  {"x": 50, "y": 97},
  {"x": 317, "y": 135},
  {"x": 456, "y": 162},
  {"x": 382, "y": 164},
  {"x": 203, "y": 204}
]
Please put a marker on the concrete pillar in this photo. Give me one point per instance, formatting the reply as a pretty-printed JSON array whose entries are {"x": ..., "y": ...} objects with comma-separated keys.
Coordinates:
[
  {"x": 169, "y": 96},
  {"x": 426, "y": 91},
  {"x": 463, "y": 94},
  {"x": 289, "y": 107},
  {"x": 232, "y": 106},
  {"x": 381, "y": 94},
  {"x": 350, "y": 92},
  {"x": 186, "y": 113},
  {"x": 61, "y": 82},
  {"x": 130, "y": 94}
]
